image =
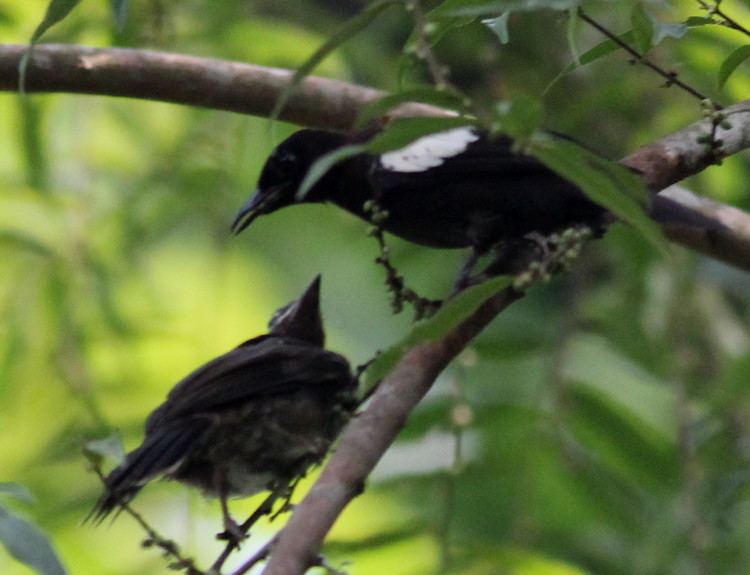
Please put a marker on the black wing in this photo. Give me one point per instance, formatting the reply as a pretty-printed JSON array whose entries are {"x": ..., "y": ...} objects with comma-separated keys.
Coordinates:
[
  {"x": 478, "y": 194},
  {"x": 263, "y": 366}
]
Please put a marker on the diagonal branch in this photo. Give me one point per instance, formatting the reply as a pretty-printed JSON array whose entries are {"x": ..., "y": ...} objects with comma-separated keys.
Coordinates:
[{"x": 249, "y": 89}]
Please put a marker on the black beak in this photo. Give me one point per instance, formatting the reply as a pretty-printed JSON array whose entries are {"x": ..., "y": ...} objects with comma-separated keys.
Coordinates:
[
  {"x": 302, "y": 318},
  {"x": 310, "y": 298},
  {"x": 250, "y": 210}
]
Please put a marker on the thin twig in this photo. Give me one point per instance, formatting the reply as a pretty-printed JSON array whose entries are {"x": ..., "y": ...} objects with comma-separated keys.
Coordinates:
[
  {"x": 264, "y": 508},
  {"x": 730, "y": 22},
  {"x": 460, "y": 417},
  {"x": 727, "y": 21},
  {"x": 260, "y": 555},
  {"x": 394, "y": 281},
  {"x": 170, "y": 548},
  {"x": 424, "y": 52},
  {"x": 670, "y": 77}
]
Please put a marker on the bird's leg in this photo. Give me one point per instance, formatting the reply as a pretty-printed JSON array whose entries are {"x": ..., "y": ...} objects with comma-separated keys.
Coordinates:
[
  {"x": 361, "y": 369},
  {"x": 232, "y": 530},
  {"x": 541, "y": 242},
  {"x": 511, "y": 257},
  {"x": 464, "y": 278},
  {"x": 264, "y": 508}
]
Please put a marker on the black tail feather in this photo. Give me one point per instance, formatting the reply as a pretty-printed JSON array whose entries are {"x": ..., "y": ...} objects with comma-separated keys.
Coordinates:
[
  {"x": 160, "y": 451},
  {"x": 672, "y": 214}
]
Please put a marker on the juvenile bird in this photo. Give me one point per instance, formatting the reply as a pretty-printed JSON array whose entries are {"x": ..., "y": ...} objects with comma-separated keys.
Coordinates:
[
  {"x": 255, "y": 418},
  {"x": 453, "y": 189}
]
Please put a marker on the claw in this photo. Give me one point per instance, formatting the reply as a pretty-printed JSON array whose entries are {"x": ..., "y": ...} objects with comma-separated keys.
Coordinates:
[{"x": 232, "y": 532}]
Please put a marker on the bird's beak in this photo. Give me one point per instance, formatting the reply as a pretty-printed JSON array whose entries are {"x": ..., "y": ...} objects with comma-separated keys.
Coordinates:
[
  {"x": 306, "y": 309},
  {"x": 309, "y": 301},
  {"x": 302, "y": 319},
  {"x": 250, "y": 210}
]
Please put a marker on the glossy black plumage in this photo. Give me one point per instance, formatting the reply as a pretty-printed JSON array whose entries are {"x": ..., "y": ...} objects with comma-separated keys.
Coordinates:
[
  {"x": 478, "y": 196},
  {"x": 470, "y": 192},
  {"x": 252, "y": 419}
]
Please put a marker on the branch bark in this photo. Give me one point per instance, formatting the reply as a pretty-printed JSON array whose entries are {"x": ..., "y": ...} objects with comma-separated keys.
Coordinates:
[
  {"x": 323, "y": 102},
  {"x": 248, "y": 89},
  {"x": 189, "y": 80}
]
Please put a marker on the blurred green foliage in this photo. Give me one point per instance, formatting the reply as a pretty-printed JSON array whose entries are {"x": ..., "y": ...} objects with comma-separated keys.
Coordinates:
[{"x": 603, "y": 420}]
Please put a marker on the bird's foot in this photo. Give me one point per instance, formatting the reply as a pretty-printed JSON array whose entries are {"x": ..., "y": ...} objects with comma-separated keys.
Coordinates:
[
  {"x": 562, "y": 250},
  {"x": 232, "y": 532},
  {"x": 465, "y": 279},
  {"x": 541, "y": 242}
]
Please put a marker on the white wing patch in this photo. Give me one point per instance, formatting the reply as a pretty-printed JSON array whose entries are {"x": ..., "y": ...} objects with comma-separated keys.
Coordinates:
[{"x": 429, "y": 151}]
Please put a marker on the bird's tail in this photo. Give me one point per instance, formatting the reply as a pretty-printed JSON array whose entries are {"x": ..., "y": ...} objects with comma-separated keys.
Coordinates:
[
  {"x": 160, "y": 452},
  {"x": 672, "y": 214}
]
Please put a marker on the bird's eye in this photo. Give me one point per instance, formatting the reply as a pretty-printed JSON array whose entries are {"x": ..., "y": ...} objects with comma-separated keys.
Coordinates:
[{"x": 287, "y": 159}]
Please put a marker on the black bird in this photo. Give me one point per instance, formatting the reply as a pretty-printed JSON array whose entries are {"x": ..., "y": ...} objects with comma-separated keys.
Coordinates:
[
  {"x": 452, "y": 189},
  {"x": 255, "y": 418}
]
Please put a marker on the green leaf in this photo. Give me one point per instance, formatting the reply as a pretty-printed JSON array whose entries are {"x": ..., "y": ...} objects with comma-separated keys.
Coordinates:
[
  {"x": 696, "y": 21},
  {"x": 28, "y": 242},
  {"x": 570, "y": 34},
  {"x": 519, "y": 117},
  {"x": 605, "y": 182},
  {"x": 643, "y": 30},
  {"x": 321, "y": 166},
  {"x": 57, "y": 10},
  {"x": 499, "y": 27},
  {"x": 351, "y": 28},
  {"x": 438, "y": 25},
  {"x": 619, "y": 443},
  {"x": 425, "y": 95},
  {"x": 604, "y": 48},
  {"x": 119, "y": 11},
  {"x": 33, "y": 141},
  {"x": 17, "y": 491},
  {"x": 28, "y": 544},
  {"x": 730, "y": 64},
  {"x": 599, "y": 51},
  {"x": 404, "y": 131},
  {"x": 453, "y": 312},
  {"x": 634, "y": 390}
]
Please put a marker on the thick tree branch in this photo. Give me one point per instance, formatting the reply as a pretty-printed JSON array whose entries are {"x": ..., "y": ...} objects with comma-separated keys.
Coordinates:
[
  {"x": 683, "y": 153},
  {"x": 249, "y": 89},
  {"x": 181, "y": 79},
  {"x": 728, "y": 241}
]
